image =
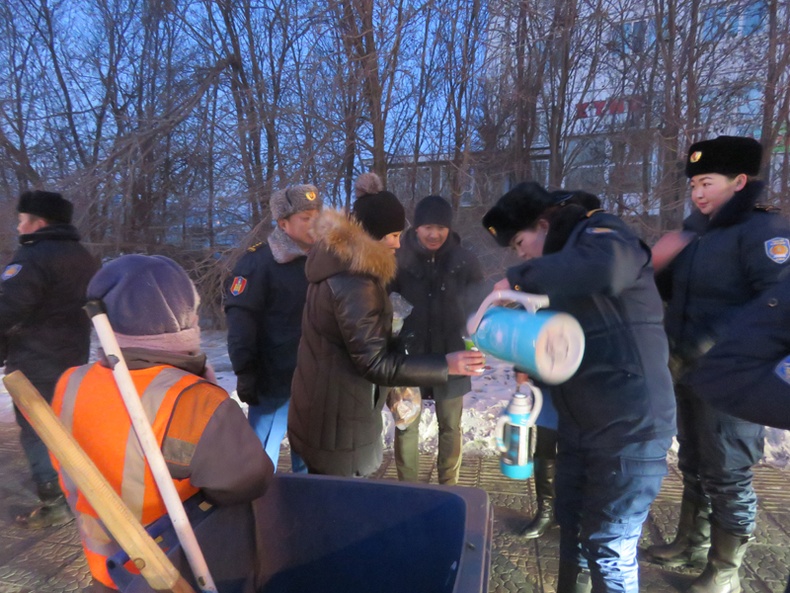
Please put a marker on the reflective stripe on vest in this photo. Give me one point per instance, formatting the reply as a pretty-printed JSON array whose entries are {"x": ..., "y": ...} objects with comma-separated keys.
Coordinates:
[{"x": 92, "y": 530}]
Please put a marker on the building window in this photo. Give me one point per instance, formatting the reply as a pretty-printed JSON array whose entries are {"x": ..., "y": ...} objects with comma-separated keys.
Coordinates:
[
  {"x": 734, "y": 20},
  {"x": 629, "y": 38}
]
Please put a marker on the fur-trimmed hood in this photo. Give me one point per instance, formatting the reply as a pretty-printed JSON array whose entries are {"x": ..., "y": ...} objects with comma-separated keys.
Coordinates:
[{"x": 342, "y": 245}]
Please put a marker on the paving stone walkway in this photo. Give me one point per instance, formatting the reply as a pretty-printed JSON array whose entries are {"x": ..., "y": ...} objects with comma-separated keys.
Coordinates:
[{"x": 51, "y": 561}]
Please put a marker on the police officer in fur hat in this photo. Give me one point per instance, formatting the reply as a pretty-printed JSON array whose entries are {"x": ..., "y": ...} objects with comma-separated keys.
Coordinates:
[
  {"x": 264, "y": 299},
  {"x": 616, "y": 414},
  {"x": 729, "y": 251},
  {"x": 42, "y": 291}
]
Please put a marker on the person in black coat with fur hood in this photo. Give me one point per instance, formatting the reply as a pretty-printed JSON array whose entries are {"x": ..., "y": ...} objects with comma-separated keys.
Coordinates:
[
  {"x": 42, "y": 291},
  {"x": 730, "y": 250},
  {"x": 346, "y": 351},
  {"x": 444, "y": 283}
]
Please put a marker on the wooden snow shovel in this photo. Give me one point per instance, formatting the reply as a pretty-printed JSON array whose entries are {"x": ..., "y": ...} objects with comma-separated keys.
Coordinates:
[{"x": 154, "y": 566}]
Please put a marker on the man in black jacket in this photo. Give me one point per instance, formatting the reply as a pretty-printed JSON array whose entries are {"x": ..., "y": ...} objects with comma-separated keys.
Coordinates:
[
  {"x": 42, "y": 291},
  {"x": 444, "y": 283},
  {"x": 263, "y": 305}
]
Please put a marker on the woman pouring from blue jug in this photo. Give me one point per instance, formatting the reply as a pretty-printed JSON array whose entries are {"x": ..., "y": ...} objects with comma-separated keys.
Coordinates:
[{"x": 617, "y": 413}]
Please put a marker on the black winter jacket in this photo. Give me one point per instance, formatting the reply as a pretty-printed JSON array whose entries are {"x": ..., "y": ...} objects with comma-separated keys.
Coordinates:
[
  {"x": 445, "y": 287},
  {"x": 735, "y": 256},
  {"x": 747, "y": 372},
  {"x": 602, "y": 275},
  {"x": 42, "y": 291},
  {"x": 264, "y": 300},
  {"x": 346, "y": 350}
]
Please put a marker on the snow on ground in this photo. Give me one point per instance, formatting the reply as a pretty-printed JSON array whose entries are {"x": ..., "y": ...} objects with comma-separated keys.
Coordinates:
[{"x": 482, "y": 407}]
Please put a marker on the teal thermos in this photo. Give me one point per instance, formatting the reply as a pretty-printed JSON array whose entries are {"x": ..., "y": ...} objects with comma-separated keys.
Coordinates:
[{"x": 513, "y": 432}]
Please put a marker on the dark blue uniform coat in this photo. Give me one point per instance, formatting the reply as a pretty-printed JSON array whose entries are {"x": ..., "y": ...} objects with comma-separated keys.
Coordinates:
[
  {"x": 736, "y": 256},
  {"x": 747, "y": 372},
  {"x": 622, "y": 391},
  {"x": 42, "y": 291},
  {"x": 263, "y": 306}
]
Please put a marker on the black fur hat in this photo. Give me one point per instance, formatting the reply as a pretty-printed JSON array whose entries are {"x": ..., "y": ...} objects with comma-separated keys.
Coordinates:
[
  {"x": 726, "y": 155},
  {"x": 46, "y": 204},
  {"x": 518, "y": 209},
  {"x": 586, "y": 200}
]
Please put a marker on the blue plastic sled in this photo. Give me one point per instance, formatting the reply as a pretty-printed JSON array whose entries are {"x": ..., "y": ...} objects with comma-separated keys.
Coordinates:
[{"x": 320, "y": 534}]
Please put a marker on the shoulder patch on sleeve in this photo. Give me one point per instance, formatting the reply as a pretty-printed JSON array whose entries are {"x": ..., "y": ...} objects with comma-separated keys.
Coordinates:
[
  {"x": 11, "y": 271},
  {"x": 778, "y": 249},
  {"x": 782, "y": 370},
  {"x": 599, "y": 230},
  {"x": 238, "y": 285},
  {"x": 254, "y": 248}
]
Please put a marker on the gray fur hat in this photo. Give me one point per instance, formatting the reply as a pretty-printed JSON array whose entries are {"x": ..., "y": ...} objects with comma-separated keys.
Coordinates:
[{"x": 293, "y": 199}]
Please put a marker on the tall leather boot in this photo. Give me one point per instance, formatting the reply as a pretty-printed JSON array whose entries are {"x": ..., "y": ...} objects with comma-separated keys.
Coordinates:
[
  {"x": 544, "y": 491},
  {"x": 573, "y": 579},
  {"x": 692, "y": 542},
  {"x": 724, "y": 559},
  {"x": 54, "y": 509}
]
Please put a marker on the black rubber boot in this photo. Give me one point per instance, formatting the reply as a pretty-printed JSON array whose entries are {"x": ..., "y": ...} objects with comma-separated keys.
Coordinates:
[
  {"x": 54, "y": 509},
  {"x": 724, "y": 561},
  {"x": 692, "y": 542},
  {"x": 544, "y": 491},
  {"x": 573, "y": 579}
]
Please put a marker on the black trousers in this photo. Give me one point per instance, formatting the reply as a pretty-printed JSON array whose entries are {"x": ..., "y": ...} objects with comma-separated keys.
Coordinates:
[{"x": 716, "y": 455}]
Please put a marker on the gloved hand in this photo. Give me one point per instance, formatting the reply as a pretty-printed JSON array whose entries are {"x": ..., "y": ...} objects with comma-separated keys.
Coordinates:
[{"x": 245, "y": 388}]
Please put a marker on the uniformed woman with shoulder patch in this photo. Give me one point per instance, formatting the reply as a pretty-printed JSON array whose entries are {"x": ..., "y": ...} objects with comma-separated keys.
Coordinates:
[
  {"x": 730, "y": 250},
  {"x": 617, "y": 413}
]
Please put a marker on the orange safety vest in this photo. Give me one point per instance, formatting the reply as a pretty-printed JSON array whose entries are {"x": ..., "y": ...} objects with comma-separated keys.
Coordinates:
[{"x": 89, "y": 404}]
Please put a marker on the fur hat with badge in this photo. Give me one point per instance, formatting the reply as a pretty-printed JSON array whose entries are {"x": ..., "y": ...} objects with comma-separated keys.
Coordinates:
[
  {"x": 517, "y": 210},
  {"x": 725, "y": 155},
  {"x": 46, "y": 204},
  {"x": 433, "y": 210},
  {"x": 150, "y": 301},
  {"x": 294, "y": 198},
  {"x": 377, "y": 210}
]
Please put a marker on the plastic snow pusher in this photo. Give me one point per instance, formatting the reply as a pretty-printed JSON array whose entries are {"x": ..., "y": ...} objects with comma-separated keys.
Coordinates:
[{"x": 319, "y": 534}]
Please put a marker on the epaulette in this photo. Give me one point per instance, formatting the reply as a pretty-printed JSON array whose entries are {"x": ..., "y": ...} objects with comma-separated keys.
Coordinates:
[
  {"x": 766, "y": 208},
  {"x": 254, "y": 248},
  {"x": 596, "y": 211}
]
